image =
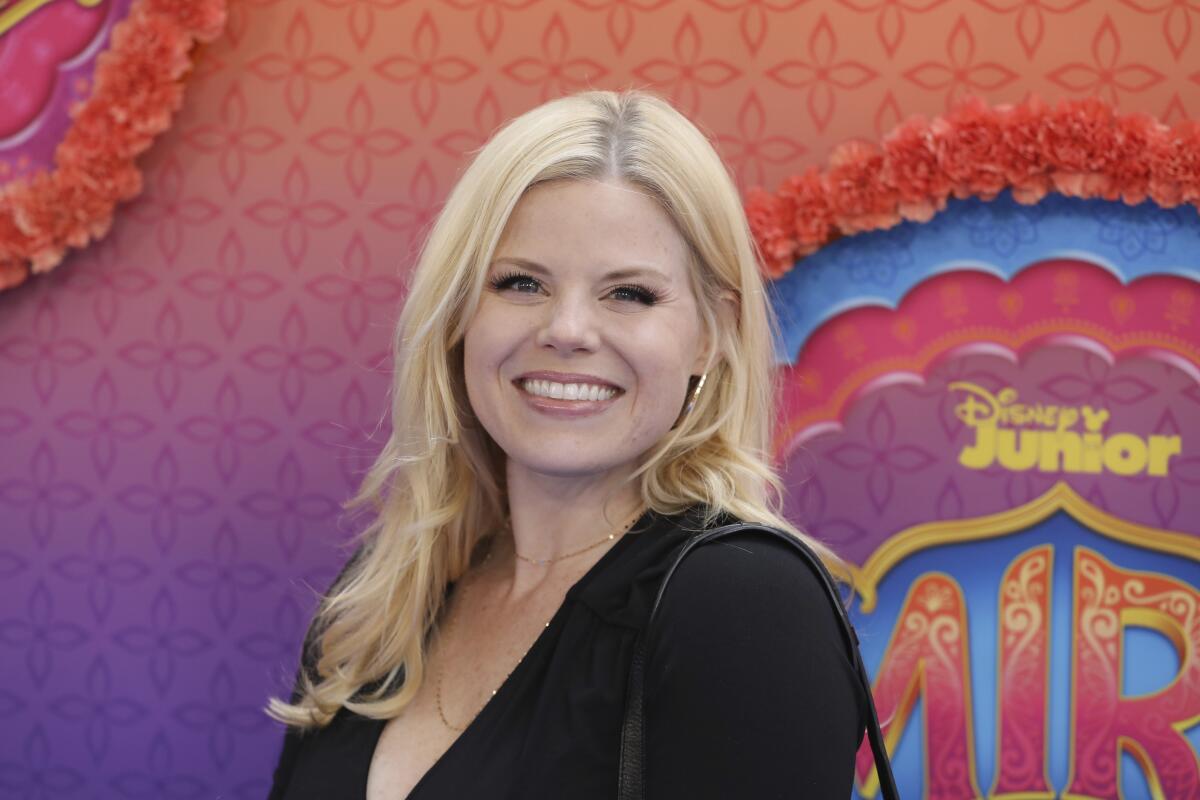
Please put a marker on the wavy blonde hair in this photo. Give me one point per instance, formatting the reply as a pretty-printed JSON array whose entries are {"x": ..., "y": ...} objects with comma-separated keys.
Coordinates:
[{"x": 436, "y": 490}]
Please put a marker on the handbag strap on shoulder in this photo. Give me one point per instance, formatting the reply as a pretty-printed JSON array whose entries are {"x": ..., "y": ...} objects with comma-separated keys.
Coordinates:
[{"x": 631, "y": 776}]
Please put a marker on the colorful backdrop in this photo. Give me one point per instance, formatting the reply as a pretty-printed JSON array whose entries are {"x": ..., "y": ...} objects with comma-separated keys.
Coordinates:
[
  {"x": 993, "y": 417},
  {"x": 184, "y": 404}
]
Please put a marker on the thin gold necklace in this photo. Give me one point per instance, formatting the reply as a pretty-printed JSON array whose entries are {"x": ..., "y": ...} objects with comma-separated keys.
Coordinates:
[
  {"x": 621, "y": 532},
  {"x": 442, "y": 672}
]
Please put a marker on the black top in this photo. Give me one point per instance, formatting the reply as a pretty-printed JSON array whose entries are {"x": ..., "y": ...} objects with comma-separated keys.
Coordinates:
[{"x": 749, "y": 688}]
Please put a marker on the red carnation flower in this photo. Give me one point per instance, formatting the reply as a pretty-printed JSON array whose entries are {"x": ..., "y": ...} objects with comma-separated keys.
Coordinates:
[
  {"x": 1079, "y": 144},
  {"x": 1134, "y": 139},
  {"x": 859, "y": 196},
  {"x": 1175, "y": 165},
  {"x": 770, "y": 218},
  {"x": 911, "y": 167},
  {"x": 135, "y": 90},
  {"x": 1022, "y": 150},
  {"x": 969, "y": 144},
  {"x": 812, "y": 216}
]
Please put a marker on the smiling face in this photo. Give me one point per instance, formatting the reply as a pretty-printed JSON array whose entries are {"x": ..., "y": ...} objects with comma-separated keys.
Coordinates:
[{"x": 577, "y": 358}]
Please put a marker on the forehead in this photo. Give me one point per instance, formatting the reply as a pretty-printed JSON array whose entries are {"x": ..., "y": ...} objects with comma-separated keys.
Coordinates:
[{"x": 593, "y": 226}]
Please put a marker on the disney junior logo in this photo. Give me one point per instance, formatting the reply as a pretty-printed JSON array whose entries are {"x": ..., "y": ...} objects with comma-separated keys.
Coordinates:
[{"x": 1024, "y": 436}]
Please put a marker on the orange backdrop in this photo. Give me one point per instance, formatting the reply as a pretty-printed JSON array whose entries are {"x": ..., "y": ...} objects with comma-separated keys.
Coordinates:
[{"x": 777, "y": 83}]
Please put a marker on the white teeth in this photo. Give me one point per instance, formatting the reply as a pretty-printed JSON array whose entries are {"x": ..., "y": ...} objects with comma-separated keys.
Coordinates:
[{"x": 568, "y": 391}]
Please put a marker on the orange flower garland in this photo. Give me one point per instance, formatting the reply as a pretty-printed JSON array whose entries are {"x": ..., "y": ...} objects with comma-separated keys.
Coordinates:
[
  {"x": 136, "y": 90},
  {"x": 1079, "y": 148}
]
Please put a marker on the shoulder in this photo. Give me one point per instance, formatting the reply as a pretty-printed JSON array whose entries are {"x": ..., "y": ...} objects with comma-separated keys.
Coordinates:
[
  {"x": 746, "y": 626},
  {"x": 748, "y": 569},
  {"x": 748, "y": 597}
]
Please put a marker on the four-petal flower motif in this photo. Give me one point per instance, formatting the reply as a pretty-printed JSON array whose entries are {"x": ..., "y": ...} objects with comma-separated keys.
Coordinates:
[
  {"x": 295, "y": 213},
  {"x": 1031, "y": 22},
  {"x": 821, "y": 74},
  {"x": 753, "y": 20},
  {"x": 555, "y": 72},
  {"x": 47, "y": 348},
  {"x": 426, "y": 70},
  {"x": 293, "y": 359},
  {"x": 232, "y": 286},
  {"x": 752, "y": 147},
  {"x": 687, "y": 74},
  {"x": 1176, "y": 22},
  {"x": 890, "y": 23},
  {"x": 169, "y": 211},
  {"x": 232, "y": 139},
  {"x": 297, "y": 67},
  {"x": 960, "y": 74},
  {"x": 360, "y": 142},
  {"x": 489, "y": 16},
  {"x": 1107, "y": 76}
]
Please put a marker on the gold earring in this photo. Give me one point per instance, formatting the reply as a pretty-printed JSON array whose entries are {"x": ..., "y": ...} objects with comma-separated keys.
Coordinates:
[{"x": 695, "y": 395}]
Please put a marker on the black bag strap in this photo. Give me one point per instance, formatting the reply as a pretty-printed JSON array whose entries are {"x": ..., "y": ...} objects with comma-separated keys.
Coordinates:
[{"x": 631, "y": 778}]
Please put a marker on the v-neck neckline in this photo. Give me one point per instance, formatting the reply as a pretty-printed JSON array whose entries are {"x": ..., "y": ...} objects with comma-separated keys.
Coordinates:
[{"x": 644, "y": 522}]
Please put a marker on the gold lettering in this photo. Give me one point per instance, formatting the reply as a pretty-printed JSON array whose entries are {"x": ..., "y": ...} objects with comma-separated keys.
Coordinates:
[
  {"x": 1055, "y": 447},
  {"x": 1067, "y": 418},
  {"x": 1012, "y": 457},
  {"x": 1066, "y": 444},
  {"x": 981, "y": 454},
  {"x": 979, "y": 408},
  {"x": 1125, "y": 454},
  {"x": 1094, "y": 418},
  {"x": 1161, "y": 450},
  {"x": 1093, "y": 453}
]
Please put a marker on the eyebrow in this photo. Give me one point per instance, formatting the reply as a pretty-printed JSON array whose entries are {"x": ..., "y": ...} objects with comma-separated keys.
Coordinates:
[{"x": 616, "y": 274}]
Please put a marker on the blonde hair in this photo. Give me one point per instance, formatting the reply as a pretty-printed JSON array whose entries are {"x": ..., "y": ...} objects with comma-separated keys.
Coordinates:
[{"x": 435, "y": 491}]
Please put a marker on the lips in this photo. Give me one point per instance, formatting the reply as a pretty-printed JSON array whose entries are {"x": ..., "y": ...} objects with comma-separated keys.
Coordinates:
[
  {"x": 565, "y": 377},
  {"x": 563, "y": 408}
]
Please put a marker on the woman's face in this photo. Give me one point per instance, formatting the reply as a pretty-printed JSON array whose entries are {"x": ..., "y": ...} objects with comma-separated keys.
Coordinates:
[{"x": 578, "y": 356}]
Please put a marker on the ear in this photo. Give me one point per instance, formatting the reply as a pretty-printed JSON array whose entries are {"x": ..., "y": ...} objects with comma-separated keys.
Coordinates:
[{"x": 728, "y": 316}]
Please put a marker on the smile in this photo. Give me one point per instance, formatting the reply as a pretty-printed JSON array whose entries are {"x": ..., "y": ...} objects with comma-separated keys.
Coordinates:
[
  {"x": 567, "y": 391},
  {"x": 567, "y": 399}
]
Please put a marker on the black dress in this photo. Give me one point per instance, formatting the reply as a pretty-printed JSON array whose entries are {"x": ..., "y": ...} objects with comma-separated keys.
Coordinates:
[{"x": 749, "y": 690}]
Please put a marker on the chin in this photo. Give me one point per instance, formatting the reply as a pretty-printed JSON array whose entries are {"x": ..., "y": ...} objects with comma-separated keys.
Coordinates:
[
  {"x": 569, "y": 465},
  {"x": 569, "y": 458}
]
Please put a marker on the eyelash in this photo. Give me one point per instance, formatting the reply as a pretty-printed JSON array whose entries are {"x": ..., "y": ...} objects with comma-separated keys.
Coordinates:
[{"x": 643, "y": 294}]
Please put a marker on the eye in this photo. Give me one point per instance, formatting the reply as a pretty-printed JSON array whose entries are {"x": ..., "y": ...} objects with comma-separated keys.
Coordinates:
[
  {"x": 637, "y": 293},
  {"x": 516, "y": 280},
  {"x": 523, "y": 283}
]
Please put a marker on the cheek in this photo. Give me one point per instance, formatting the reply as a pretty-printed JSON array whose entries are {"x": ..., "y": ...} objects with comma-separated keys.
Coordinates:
[
  {"x": 492, "y": 339},
  {"x": 488, "y": 338},
  {"x": 666, "y": 351},
  {"x": 481, "y": 356},
  {"x": 662, "y": 361}
]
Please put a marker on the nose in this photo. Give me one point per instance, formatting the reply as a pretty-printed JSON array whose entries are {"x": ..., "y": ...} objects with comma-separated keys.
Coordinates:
[{"x": 569, "y": 325}]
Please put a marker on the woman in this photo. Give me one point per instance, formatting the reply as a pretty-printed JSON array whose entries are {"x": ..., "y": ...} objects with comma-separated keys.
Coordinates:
[{"x": 583, "y": 380}]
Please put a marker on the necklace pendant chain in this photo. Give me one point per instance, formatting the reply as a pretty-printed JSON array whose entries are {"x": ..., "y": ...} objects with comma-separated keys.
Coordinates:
[
  {"x": 608, "y": 538},
  {"x": 442, "y": 672}
]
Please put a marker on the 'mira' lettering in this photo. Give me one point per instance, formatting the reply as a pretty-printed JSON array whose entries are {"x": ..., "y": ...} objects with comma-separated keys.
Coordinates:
[
  {"x": 1023, "y": 677},
  {"x": 1107, "y": 600},
  {"x": 927, "y": 657}
]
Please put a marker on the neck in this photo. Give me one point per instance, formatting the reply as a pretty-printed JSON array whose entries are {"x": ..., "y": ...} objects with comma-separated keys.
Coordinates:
[{"x": 552, "y": 516}]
